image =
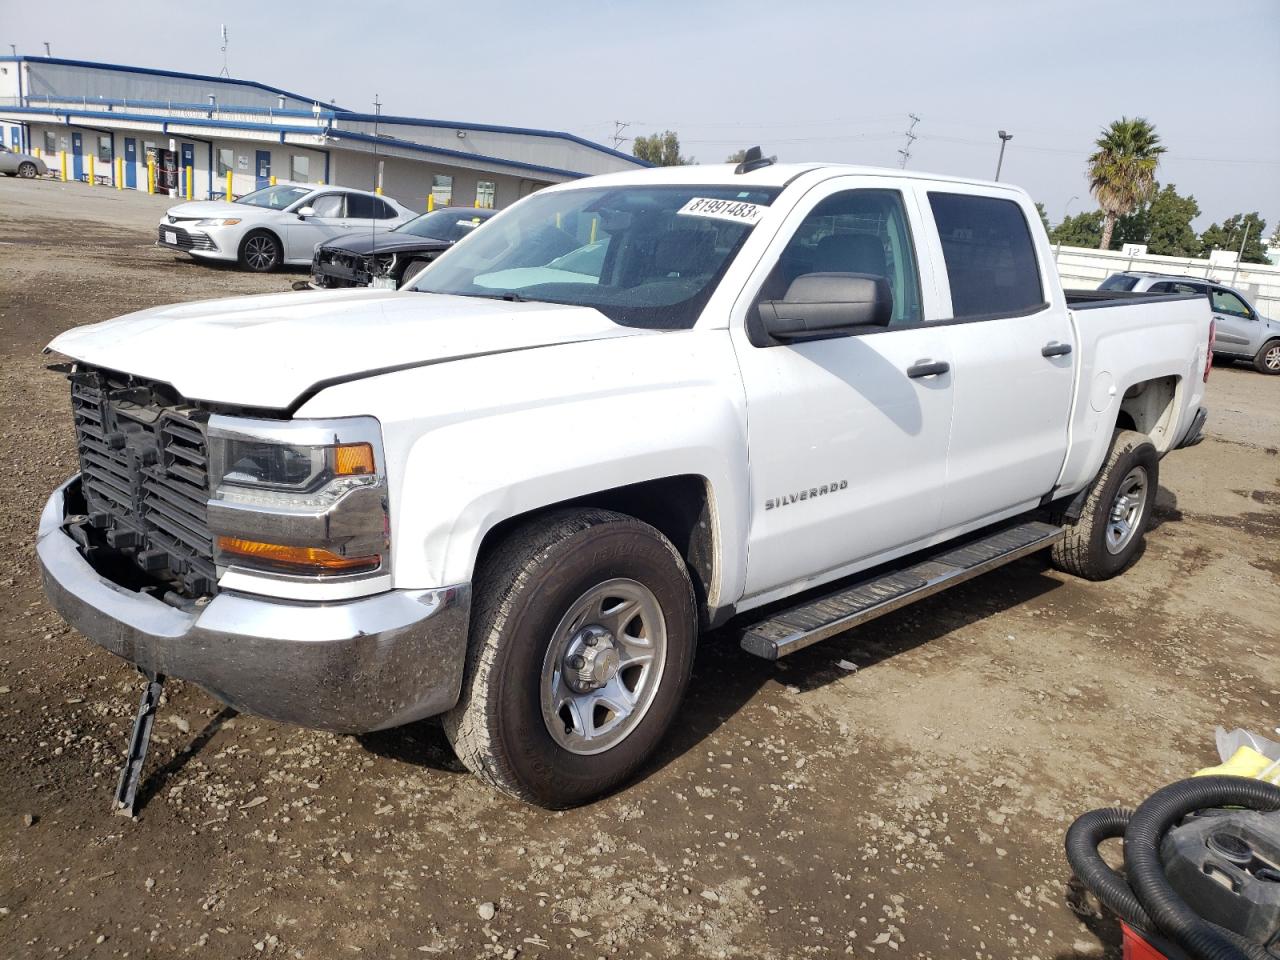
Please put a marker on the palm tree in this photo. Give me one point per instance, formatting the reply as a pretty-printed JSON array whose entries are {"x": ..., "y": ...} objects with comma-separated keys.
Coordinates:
[{"x": 1122, "y": 174}]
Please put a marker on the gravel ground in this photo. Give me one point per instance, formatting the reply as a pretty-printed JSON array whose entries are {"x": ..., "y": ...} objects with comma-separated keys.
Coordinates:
[{"x": 898, "y": 791}]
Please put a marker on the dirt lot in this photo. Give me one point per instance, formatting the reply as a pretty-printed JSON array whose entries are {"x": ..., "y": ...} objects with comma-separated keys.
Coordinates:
[{"x": 913, "y": 807}]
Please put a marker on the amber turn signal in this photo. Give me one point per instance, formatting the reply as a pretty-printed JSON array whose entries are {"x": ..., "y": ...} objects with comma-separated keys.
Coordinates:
[
  {"x": 353, "y": 460},
  {"x": 304, "y": 560}
]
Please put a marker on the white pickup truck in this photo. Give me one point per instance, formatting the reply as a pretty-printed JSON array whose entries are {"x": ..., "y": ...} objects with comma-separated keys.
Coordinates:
[{"x": 630, "y": 408}]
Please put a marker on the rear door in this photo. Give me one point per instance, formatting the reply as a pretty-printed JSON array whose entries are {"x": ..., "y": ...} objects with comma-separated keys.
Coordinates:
[
  {"x": 847, "y": 448},
  {"x": 1012, "y": 354}
]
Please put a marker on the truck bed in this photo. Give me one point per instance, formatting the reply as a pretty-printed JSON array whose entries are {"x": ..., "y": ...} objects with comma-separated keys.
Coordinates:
[{"x": 1092, "y": 299}]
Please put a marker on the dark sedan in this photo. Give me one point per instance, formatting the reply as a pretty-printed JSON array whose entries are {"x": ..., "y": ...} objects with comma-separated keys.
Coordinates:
[{"x": 387, "y": 259}]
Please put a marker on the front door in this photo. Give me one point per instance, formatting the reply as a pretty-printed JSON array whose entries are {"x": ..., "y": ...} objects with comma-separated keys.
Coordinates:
[
  {"x": 130, "y": 163},
  {"x": 77, "y": 156},
  {"x": 262, "y": 166},
  {"x": 188, "y": 169},
  {"x": 1012, "y": 358},
  {"x": 1235, "y": 328},
  {"x": 328, "y": 221},
  {"x": 847, "y": 436}
]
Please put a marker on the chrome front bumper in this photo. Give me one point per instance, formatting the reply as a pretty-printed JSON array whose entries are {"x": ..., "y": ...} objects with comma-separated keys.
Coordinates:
[{"x": 350, "y": 667}]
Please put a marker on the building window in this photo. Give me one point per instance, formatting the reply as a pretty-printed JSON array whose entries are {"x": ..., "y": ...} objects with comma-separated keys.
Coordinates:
[
  {"x": 441, "y": 190},
  {"x": 299, "y": 169},
  {"x": 104, "y": 148},
  {"x": 486, "y": 193},
  {"x": 50, "y": 142},
  {"x": 226, "y": 160}
]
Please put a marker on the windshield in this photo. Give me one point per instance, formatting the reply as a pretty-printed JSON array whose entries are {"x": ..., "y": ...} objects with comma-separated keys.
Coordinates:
[
  {"x": 447, "y": 225},
  {"x": 277, "y": 198},
  {"x": 646, "y": 256}
]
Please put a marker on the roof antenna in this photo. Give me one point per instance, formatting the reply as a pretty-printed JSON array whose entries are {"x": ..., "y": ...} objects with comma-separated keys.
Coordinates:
[
  {"x": 225, "y": 72},
  {"x": 752, "y": 159}
]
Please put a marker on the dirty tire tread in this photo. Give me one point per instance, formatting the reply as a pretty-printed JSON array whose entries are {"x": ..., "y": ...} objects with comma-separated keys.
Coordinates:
[
  {"x": 1077, "y": 552},
  {"x": 499, "y": 584},
  {"x": 1260, "y": 360}
]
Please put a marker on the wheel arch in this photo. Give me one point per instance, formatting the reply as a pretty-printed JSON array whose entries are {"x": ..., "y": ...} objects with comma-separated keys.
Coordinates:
[{"x": 680, "y": 507}]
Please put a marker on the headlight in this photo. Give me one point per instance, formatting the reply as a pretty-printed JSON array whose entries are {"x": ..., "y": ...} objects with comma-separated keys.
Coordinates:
[
  {"x": 217, "y": 222},
  {"x": 300, "y": 498}
]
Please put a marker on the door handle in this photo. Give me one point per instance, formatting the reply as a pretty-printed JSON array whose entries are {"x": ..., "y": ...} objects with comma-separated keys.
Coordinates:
[
  {"x": 927, "y": 368},
  {"x": 1055, "y": 349}
]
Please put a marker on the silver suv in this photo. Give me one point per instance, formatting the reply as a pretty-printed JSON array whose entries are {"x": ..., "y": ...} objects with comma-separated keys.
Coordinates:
[{"x": 1240, "y": 332}]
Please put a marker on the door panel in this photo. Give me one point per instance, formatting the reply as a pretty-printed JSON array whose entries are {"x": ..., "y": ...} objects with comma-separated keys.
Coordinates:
[
  {"x": 188, "y": 165},
  {"x": 301, "y": 236},
  {"x": 130, "y": 163},
  {"x": 262, "y": 167},
  {"x": 847, "y": 452},
  {"x": 1012, "y": 401},
  {"x": 1234, "y": 331},
  {"x": 77, "y": 156}
]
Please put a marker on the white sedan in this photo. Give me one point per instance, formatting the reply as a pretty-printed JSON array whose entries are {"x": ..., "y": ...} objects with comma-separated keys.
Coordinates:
[{"x": 276, "y": 225}]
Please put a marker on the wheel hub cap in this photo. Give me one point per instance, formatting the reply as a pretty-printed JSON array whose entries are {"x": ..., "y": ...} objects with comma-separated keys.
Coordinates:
[
  {"x": 592, "y": 659},
  {"x": 1125, "y": 517}
]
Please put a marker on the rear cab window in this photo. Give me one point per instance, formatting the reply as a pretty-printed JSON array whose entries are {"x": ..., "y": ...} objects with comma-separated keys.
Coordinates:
[{"x": 989, "y": 254}]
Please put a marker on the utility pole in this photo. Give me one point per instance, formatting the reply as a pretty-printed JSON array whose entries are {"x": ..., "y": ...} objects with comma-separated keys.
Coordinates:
[
  {"x": 225, "y": 72},
  {"x": 911, "y": 138},
  {"x": 1004, "y": 138},
  {"x": 1236, "y": 269},
  {"x": 618, "y": 138}
]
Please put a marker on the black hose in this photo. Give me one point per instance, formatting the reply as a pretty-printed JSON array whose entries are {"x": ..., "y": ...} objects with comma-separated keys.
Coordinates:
[
  {"x": 1083, "y": 839},
  {"x": 1168, "y": 913}
]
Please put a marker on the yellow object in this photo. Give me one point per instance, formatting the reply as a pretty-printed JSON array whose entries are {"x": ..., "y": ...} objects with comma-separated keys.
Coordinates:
[
  {"x": 119, "y": 173},
  {"x": 228, "y": 184},
  {"x": 594, "y": 223},
  {"x": 151, "y": 175},
  {"x": 306, "y": 559},
  {"x": 93, "y": 179},
  {"x": 191, "y": 187},
  {"x": 272, "y": 180},
  {"x": 378, "y": 189},
  {"x": 353, "y": 459},
  {"x": 62, "y": 162},
  {"x": 36, "y": 150},
  {"x": 431, "y": 202},
  {"x": 1246, "y": 762}
]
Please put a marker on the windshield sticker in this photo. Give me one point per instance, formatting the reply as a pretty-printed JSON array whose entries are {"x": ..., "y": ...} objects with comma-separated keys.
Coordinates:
[{"x": 735, "y": 211}]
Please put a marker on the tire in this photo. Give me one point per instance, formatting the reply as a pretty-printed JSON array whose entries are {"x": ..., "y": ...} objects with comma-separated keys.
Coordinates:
[
  {"x": 1095, "y": 547},
  {"x": 27, "y": 170},
  {"x": 410, "y": 268},
  {"x": 1268, "y": 358},
  {"x": 260, "y": 251},
  {"x": 517, "y": 725}
]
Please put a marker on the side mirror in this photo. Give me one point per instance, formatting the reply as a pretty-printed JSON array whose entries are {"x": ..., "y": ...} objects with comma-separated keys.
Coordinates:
[
  {"x": 828, "y": 304},
  {"x": 304, "y": 212}
]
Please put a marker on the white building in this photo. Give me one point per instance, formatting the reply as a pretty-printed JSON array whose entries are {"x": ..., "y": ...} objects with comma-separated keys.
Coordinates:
[{"x": 198, "y": 128}]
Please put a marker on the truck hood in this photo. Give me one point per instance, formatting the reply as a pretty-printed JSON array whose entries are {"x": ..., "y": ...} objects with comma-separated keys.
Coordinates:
[{"x": 268, "y": 351}]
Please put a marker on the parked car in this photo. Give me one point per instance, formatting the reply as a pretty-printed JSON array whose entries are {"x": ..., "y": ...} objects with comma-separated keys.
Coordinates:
[
  {"x": 1240, "y": 332},
  {"x": 275, "y": 225},
  {"x": 16, "y": 164},
  {"x": 386, "y": 259},
  {"x": 510, "y": 494}
]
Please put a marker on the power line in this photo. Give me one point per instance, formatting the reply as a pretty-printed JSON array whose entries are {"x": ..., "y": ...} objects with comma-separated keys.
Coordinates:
[
  {"x": 618, "y": 138},
  {"x": 911, "y": 138}
]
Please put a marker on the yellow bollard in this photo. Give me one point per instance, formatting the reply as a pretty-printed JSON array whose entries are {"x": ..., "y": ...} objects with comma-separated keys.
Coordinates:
[
  {"x": 62, "y": 162},
  {"x": 151, "y": 175},
  {"x": 36, "y": 151},
  {"x": 191, "y": 185},
  {"x": 119, "y": 173},
  {"x": 431, "y": 202},
  {"x": 272, "y": 181},
  {"x": 93, "y": 177},
  {"x": 228, "y": 185},
  {"x": 594, "y": 222},
  {"x": 378, "y": 190}
]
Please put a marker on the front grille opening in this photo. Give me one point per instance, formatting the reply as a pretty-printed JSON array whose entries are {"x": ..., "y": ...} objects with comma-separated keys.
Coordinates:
[{"x": 145, "y": 484}]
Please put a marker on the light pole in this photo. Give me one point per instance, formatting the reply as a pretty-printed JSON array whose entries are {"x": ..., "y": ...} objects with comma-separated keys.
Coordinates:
[
  {"x": 1065, "y": 211},
  {"x": 1004, "y": 138}
]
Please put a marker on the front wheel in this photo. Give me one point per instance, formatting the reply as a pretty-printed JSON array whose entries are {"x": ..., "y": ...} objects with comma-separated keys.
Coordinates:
[
  {"x": 261, "y": 252},
  {"x": 27, "y": 170},
  {"x": 581, "y": 648},
  {"x": 1268, "y": 358},
  {"x": 1108, "y": 534}
]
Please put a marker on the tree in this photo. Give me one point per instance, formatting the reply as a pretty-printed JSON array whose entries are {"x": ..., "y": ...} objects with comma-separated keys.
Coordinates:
[
  {"x": 1231, "y": 234},
  {"x": 1044, "y": 217},
  {"x": 1082, "y": 230},
  {"x": 1122, "y": 173},
  {"x": 660, "y": 149},
  {"x": 736, "y": 157},
  {"x": 1169, "y": 217}
]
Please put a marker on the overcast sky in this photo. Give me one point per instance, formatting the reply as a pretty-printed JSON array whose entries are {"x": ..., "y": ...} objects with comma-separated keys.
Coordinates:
[{"x": 822, "y": 80}]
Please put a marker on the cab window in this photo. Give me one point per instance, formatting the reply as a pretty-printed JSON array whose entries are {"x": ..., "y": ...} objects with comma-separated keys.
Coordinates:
[
  {"x": 1224, "y": 301},
  {"x": 990, "y": 258},
  {"x": 856, "y": 231}
]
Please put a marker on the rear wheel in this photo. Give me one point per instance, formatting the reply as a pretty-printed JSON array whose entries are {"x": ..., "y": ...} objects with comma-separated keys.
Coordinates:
[
  {"x": 261, "y": 252},
  {"x": 1109, "y": 532},
  {"x": 1268, "y": 358},
  {"x": 27, "y": 170},
  {"x": 581, "y": 648}
]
